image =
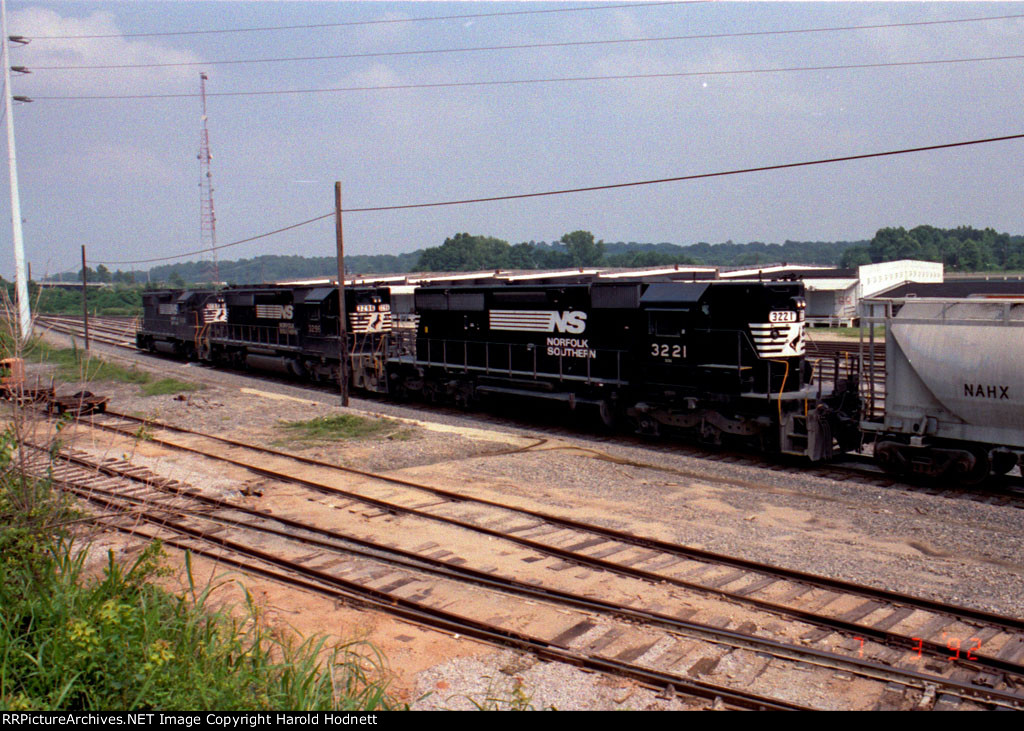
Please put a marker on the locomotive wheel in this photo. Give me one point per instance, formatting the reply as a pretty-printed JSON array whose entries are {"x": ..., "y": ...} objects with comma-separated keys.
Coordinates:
[
  {"x": 1003, "y": 462},
  {"x": 644, "y": 425},
  {"x": 431, "y": 393},
  {"x": 465, "y": 396}
]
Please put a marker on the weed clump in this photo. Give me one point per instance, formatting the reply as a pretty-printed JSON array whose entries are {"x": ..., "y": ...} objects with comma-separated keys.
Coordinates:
[
  {"x": 339, "y": 426},
  {"x": 167, "y": 386}
]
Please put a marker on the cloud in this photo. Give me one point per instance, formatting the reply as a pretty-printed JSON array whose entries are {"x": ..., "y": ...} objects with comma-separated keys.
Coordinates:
[
  {"x": 36, "y": 22},
  {"x": 376, "y": 74},
  {"x": 373, "y": 37}
]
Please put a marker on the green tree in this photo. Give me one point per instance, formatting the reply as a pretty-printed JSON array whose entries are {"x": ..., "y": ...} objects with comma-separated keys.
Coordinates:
[
  {"x": 892, "y": 244},
  {"x": 523, "y": 256},
  {"x": 646, "y": 259},
  {"x": 854, "y": 257},
  {"x": 583, "y": 251},
  {"x": 464, "y": 252}
]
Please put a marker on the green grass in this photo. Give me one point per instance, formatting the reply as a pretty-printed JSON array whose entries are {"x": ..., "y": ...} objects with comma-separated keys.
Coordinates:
[
  {"x": 846, "y": 332},
  {"x": 340, "y": 426},
  {"x": 75, "y": 364},
  {"x": 118, "y": 641},
  {"x": 166, "y": 386}
]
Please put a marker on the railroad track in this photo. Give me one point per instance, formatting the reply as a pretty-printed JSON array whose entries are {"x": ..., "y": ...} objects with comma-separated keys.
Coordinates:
[
  {"x": 870, "y": 633},
  {"x": 110, "y": 331}
]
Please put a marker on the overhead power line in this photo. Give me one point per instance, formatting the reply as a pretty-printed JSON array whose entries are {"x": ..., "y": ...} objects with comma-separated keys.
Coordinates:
[
  {"x": 588, "y": 189},
  {"x": 547, "y": 80},
  {"x": 224, "y": 246},
  {"x": 522, "y": 46},
  {"x": 383, "y": 21}
]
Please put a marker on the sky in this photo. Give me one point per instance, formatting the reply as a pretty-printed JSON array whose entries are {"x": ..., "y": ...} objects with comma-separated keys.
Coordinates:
[{"x": 121, "y": 175}]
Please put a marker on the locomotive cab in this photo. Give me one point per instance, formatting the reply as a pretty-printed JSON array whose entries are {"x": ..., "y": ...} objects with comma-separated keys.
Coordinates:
[{"x": 726, "y": 360}]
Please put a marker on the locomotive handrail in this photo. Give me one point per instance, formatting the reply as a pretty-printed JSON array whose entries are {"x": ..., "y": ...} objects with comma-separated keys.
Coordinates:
[
  {"x": 890, "y": 310},
  {"x": 259, "y": 334},
  {"x": 507, "y": 369}
]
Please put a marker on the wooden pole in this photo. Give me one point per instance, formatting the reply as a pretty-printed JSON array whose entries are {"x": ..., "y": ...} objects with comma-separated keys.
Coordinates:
[
  {"x": 342, "y": 315},
  {"x": 85, "y": 302}
]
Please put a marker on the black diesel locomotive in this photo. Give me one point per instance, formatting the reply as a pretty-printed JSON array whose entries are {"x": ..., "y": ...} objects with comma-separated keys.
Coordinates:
[
  {"x": 720, "y": 360},
  {"x": 291, "y": 330}
]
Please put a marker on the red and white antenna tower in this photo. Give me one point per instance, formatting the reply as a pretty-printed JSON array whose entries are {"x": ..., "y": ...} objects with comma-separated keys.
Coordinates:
[{"x": 207, "y": 218}]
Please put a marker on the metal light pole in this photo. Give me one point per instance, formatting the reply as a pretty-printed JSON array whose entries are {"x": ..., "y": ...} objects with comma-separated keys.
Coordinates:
[{"x": 24, "y": 316}]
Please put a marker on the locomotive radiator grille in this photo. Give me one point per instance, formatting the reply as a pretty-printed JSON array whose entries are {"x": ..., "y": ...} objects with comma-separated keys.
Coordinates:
[
  {"x": 778, "y": 340},
  {"x": 369, "y": 322}
]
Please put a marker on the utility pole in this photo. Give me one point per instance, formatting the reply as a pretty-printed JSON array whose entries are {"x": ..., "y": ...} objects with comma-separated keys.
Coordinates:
[
  {"x": 21, "y": 283},
  {"x": 342, "y": 316},
  {"x": 85, "y": 301}
]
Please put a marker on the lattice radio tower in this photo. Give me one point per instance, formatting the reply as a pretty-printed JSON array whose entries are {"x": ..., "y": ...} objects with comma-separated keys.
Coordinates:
[{"x": 207, "y": 217}]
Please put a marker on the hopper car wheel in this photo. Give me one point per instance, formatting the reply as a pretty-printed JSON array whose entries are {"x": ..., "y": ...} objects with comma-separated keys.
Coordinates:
[
  {"x": 889, "y": 458},
  {"x": 970, "y": 475}
]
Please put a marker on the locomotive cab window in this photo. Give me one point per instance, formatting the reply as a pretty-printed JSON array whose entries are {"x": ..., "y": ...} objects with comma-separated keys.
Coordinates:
[{"x": 667, "y": 324}]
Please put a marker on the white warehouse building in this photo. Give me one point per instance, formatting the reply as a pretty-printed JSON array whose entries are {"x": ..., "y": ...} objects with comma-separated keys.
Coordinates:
[{"x": 835, "y": 300}]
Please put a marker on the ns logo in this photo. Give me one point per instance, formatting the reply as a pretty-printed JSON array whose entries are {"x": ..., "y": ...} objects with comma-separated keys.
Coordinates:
[
  {"x": 569, "y": 322},
  {"x": 544, "y": 321}
]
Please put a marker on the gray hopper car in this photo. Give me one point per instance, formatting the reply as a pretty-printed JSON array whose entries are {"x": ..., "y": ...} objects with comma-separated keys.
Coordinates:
[{"x": 954, "y": 386}]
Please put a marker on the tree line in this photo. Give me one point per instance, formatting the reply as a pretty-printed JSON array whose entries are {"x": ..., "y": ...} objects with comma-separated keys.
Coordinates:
[
  {"x": 465, "y": 252},
  {"x": 964, "y": 248}
]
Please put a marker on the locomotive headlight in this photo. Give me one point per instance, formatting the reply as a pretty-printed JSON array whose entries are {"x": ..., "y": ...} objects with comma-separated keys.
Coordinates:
[{"x": 799, "y": 303}]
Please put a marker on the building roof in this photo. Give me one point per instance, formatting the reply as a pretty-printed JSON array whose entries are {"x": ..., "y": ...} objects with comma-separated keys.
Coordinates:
[
  {"x": 955, "y": 288},
  {"x": 656, "y": 272},
  {"x": 748, "y": 272},
  {"x": 825, "y": 285}
]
